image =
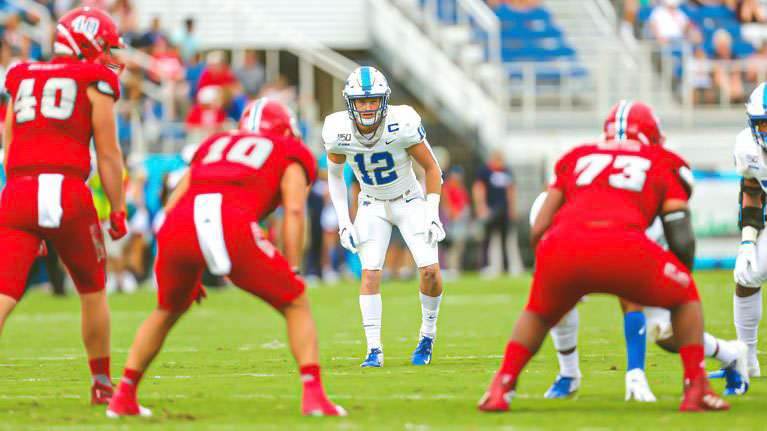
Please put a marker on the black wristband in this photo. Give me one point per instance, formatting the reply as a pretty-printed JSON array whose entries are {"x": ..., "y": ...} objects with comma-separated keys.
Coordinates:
[{"x": 751, "y": 216}]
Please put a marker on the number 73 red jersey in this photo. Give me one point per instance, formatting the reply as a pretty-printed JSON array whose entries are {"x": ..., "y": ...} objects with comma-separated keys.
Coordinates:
[
  {"x": 52, "y": 115},
  {"x": 622, "y": 182},
  {"x": 247, "y": 168}
]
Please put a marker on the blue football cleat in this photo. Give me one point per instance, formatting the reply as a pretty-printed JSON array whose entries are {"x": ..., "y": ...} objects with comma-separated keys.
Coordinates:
[
  {"x": 563, "y": 387},
  {"x": 422, "y": 354},
  {"x": 374, "y": 359},
  {"x": 718, "y": 374},
  {"x": 736, "y": 374}
]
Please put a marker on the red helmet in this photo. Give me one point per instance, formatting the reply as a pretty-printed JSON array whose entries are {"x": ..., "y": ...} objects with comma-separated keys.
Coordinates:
[
  {"x": 89, "y": 34},
  {"x": 269, "y": 117},
  {"x": 633, "y": 120}
]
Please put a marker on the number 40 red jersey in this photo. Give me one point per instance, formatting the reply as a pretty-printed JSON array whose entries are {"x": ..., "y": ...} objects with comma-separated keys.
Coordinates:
[
  {"x": 52, "y": 115},
  {"x": 623, "y": 182},
  {"x": 247, "y": 168}
]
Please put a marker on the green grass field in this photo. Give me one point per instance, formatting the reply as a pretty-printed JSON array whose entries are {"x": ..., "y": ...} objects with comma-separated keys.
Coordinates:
[{"x": 225, "y": 367}]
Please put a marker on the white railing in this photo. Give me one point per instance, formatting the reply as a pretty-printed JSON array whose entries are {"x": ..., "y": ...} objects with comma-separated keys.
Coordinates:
[{"x": 419, "y": 61}]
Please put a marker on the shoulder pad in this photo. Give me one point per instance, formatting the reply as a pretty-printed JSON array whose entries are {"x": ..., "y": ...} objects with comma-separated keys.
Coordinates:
[
  {"x": 747, "y": 154},
  {"x": 105, "y": 81},
  {"x": 336, "y": 131},
  {"x": 411, "y": 129},
  {"x": 298, "y": 152}
]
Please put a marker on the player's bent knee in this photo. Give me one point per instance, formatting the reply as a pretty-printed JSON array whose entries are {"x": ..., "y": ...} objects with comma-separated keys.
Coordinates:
[{"x": 430, "y": 275}]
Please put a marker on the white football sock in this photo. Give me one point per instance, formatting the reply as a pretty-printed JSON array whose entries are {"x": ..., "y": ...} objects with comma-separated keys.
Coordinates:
[
  {"x": 568, "y": 364},
  {"x": 429, "y": 314},
  {"x": 371, "y": 308},
  {"x": 565, "y": 337},
  {"x": 721, "y": 350},
  {"x": 747, "y": 314},
  {"x": 565, "y": 333}
]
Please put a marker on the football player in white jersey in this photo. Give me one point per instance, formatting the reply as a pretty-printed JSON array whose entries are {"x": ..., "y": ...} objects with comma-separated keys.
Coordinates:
[
  {"x": 751, "y": 264},
  {"x": 380, "y": 142}
]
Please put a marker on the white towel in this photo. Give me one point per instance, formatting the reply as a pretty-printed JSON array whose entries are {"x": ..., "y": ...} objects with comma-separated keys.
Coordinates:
[
  {"x": 210, "y": 233},
  {"x": 49, "y": 210}
]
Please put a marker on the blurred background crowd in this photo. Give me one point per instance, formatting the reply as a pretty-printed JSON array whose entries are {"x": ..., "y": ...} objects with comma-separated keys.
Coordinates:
[
  {"x": 558, "y": 69},
  {"x": 208, "y": 95}
]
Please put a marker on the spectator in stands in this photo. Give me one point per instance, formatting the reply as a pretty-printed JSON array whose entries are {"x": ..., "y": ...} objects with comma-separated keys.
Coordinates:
[
  {"x": 194, "y": 68},
  {"x": 494, "y": 196},
  {"x": 186, "y": 39},
  {"x": 670, "y": 24},
  {"x": 251, "y": 74},
  {"x": 756, "y": 71},
  {"x": 727, "y": 74},
  {"x": 216, "y": 72},
  {"x": 750, "y": 11},
  {"x": 146, "y": 41},
  {"x": 699, "y": 69},
  {"x": 207, "y": 116},
  {"x": 280, "y": 89},
  {"x": 167, "y": 68},
  {"x": 456, "y": 206},
  {"x": 124, "y": 15}
]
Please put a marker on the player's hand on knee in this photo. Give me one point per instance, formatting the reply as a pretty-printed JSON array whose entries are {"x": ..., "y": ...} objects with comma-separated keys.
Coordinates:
[
  {"x": 746, "y": 267},
  {"x": 349, "y": 239},
  {"x": 434, "y": 232},
  {"x": 433, "y": 229}
]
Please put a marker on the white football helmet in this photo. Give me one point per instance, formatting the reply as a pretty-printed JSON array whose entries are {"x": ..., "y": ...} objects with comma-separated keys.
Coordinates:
[
  {"x": 756, "y": 110},
  {"x": 366, "y": 82}
]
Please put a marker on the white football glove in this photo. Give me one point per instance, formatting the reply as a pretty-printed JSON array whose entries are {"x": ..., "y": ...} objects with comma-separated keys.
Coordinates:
[
  {"x": 433, "y": 230},
  {"x": 746, "y": 269},
  {"x": 637, "y": 387},
  {"x": 348, "y": 235}
]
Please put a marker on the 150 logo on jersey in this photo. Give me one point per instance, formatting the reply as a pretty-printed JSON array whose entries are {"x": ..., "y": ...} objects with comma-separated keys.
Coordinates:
[{"x": 62, "y": 89}]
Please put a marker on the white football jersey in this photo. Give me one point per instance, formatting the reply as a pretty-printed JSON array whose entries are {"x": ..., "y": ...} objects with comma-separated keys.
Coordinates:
[
  {"x": 750, "y": 158},
  {"x": 381, "y": 164}
]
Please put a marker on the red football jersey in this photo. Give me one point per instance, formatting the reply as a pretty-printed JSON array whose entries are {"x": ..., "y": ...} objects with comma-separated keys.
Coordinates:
[
  {"x": 247, "y": 168},
  {"x": 52, "y": 115},
  {"x": 621, "y": 182}
]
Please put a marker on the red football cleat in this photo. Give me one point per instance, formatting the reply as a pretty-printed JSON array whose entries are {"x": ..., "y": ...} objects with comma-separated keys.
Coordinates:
[
  {"x": 698, "y": 396},
  {"x": 315, "y": 403},
  {"x": 498, "y": 395},
  {"x": 122, "y": 405},
  {"x": 101, "y": 394}
]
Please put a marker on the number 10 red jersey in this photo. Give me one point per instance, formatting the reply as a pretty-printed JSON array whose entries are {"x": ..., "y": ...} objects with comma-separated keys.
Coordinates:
[{"x": 247, "y": 168}]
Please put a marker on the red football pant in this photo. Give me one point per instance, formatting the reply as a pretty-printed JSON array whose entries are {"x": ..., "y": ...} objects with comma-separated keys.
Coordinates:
[
  {"x": 572, "y": 261},
  {"x": 257, "y": 266},
  {"x": 78, "y": 239}
]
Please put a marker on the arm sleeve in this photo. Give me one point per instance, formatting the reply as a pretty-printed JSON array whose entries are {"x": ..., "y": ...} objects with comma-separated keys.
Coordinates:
[{"x": 337, "y": 190}]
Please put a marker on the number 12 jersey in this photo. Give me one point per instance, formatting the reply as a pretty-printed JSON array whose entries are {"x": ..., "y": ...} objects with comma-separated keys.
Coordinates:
[
  {"x": 381, "y": 163},
  {"x": 620, "y": 182}
]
